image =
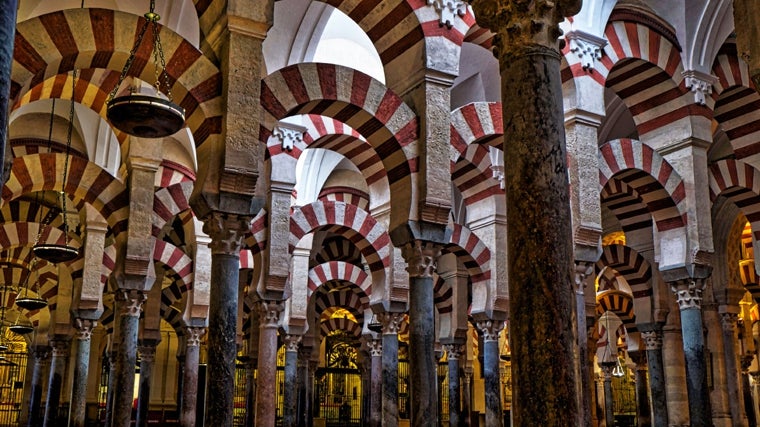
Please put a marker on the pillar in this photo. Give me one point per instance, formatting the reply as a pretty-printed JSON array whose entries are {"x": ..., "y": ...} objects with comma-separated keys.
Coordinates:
[
  {"x": 467, "y": 397},
  {"x": 180, "y": 373},
  {"x": 147, "y": 349},
  {"x": 643, "y": 413},
  {"x": 454, "y": 353},
  {"x": 749, "y": 406},
  {"x": 82, "y": 337},
  {"x": 290, "y": 394},
  {"x": 609, "y": 416},
  {"x": 226, "y": 233},
  {"x": 492, "y": 375},
  {"x": 188, "y": 409},
  {"x": 582, "y": 272},
  {"x": 376, "y": 382},
  {"x": 129, "y": 303},
  {"x": 689, "y": 298},
  {"x": 540, "y": 241},
  {"x": 7, "y": 35},
  {"x": 250, "y": 392},
  {"x": 391, "y": 324},
  {"x": 269, "y": 319},
  {"x": 110, "y": 393},
  {"x": 60, "y": 351},
  {"x": 304, "y": 387},
  {"x": 40, "y": 355},
  {"x": 728, "y": 326},
  {"x": 653, "y": 340}
]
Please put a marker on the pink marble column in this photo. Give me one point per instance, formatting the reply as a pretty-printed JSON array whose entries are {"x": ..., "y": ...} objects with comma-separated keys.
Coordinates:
[{"x": 269, "y": 318}]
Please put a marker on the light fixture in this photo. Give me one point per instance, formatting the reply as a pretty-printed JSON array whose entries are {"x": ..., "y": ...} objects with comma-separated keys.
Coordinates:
[
  {"x": 506, "y": 352},
  {"x": 22, "y": 325},
  {"x": 607, "y": 356},
  {"x": 24, "y": 300},
  {"x": 618, "y": 371},
  {"x": 146, "y": 115},
  {"x": 374, "y": 325},
  {"x": 52, "y": 251}
]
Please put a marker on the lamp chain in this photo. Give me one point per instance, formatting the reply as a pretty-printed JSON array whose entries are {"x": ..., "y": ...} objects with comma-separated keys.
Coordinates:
[
  {"x": 68, "y": 150},
  {"x": 129, "y": 62}
]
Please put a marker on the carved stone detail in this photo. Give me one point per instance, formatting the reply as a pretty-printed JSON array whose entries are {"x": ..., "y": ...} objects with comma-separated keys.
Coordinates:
[
  {"x": 652, "y": 339},
  {"x": 689, "y": 293},
  {"x": 586, "y": 47},
  {"x": 375, "y": 348},
  {"x": 449, "y": 10},
  {"x": 84, "y": 328},
  {"x": 454, "y": 351},
  {"x": 131, "y": 301},
  {"x": 490, "y": 329},
  {"x": 421, "y": 258},
  {"x": 391, "y": 322},
  {"x": 292, "y": 342},
  {"x": 193, "y": 335},
  {"x": 269, "y": 313},
  {"x": 226, "y": 232},
  {"x": 729, "y": 321},
  {"x": 699, "y": 83},
  {"x": 41, "y": 354},
  {"x": 582, "y": 270},
  {"x": 147, "y": 353},
  {"x": 288, "y": 135},
  {"x": 60, "y": 348}
]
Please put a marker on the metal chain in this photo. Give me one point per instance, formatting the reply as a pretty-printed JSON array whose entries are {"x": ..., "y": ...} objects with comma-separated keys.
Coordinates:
[
  {"x": 129, "y": 62},
  {"x": 157, "y": 47},
  {"x": 68, "y": 151},
  {"x": 50, "y": 129}
]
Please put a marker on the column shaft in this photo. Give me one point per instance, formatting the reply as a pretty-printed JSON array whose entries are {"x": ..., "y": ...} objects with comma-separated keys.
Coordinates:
[
  {"x": 290, "y": 394},
  {"x": 609, "y": 415},
  {"x": 582, "y": 271},
  {"x": 422, "y": 364},
  {"x": 454, "y": 352},
  {"x": 188, "y": 410},
  {"x": 81, "y": 369},
  {"x": 130, "y": 304},
  {"x": 747, "y": 392},
  {"x": 250, "y": 394},
  {"x": 491, "y": 373},
  {"x": 653, "y": 339},
  {"x": 391, "y": 323},
  {"x": 267, "y": 369},
  {"x": 147, "y": 361},
  {"x": 111, "y": 392},
  {"x": 35, "y": 399},
  {"x": 643, "y": 414},
  {"x": 728, "y": 324},
  {"x": 376, "y": 383},
  {"x": 7, "y": 35},
  {"x": 55, "y": 381}
]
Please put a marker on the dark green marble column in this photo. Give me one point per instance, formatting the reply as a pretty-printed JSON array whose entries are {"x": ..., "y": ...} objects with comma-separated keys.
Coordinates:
[
  {"x": 454, "y": 353},
  {"x": 290, "y": 394},
  {"x": 490, "y": 329},
  {"x": 643, "y": 412},
  {"x": 147, "y": 351},
  {"x": 652, "y": 335},
  {"x": 609, "y": 416},
  {"x": 7, "y": 35},
  {"x": 376, "y": 382}
]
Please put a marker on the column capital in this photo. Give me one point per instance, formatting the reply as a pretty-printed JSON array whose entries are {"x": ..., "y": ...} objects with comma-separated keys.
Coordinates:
[
  {"x": 147, "y": 353},
  {"x": 132, "y": 301},
  {"x": 391, "y": 322},
  {"x": 652, "y": 339},
  {"x": 522, "y": 23},
  {"x": 453, "y": 351},
  {"x": 193, "y": 335},
  {"x": 375, "y": 347},
  {"x": 60, "y": 347},
  {"x": 292, "y": 342},
  {"x": 688, "y": 293},
  {"x": 746, "y": 362},
  {"x": 290, "y": 135},
  {"x": 449, "y": 10},
  {"x": 728, "y": 322},
  {"x": 84, "y": 328},
  {"x": 586, "y": 47},
  {"x": 226, "y": 232},
  {"x": 421, "y": 257},
  {"x": 490, "y": 329},
  {"x": 582, "y": 270},
  {"x": 269, "y": 313},
  {"x": 40, "y": 353}
]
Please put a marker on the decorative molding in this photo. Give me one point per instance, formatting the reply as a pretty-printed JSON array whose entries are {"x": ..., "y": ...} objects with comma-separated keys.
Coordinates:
[
  {"x": 449, "y": 10},
  {"x": 728, "y": 322},
  {"x": 292, "y": 342},
  {"x": 147, "y": 353},
  {"x": 226, "y": 232},
  {"x": 587, "y": 47},
  {"x": 454, "y": 351},
  {"x": 60, "y": 348},
  {"x": 582, "y": 270},
  {"x": 490, "y": 329},
  {"x": 84, "y": 328},
  {"x": 689, "y": 293},
  {"x": 700, "y": 83},
  {"x": 375, "y": 347},
  {"x": 652, "y": 339},
  {"x": 131, "y": 301},
  {"x": 391, "y": 322},
  {"x": 421, "y": 258},
  {"x": 289, "y": 135},
  {"x": 269, "y": 313},
  {"x": 193, "y": 335}
]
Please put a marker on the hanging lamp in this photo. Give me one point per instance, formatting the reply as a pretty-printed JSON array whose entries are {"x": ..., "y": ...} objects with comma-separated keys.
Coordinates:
[
  {"x": 22, "y": 325},
  {"x": 607, "y": 356},
  {"x": 24, "y": 300},
  {"x": 60, "y": 252},
  {"x": 618, "y": 371},
  {"x": 374, "y": 324},
  {"x": 146, "y": 115},
  {"x": 506, "y": 352}
]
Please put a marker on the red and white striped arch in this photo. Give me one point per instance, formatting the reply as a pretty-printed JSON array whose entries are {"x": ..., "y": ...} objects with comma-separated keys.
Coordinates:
[
  {"x": 339, "y": 271},
  {"x": 619, "y": 303},
  {"x": 340, "y": 324},
  {"x": 168, "y": 202},
  {"x": 469, "y": 249},
  {"x": 47, "y": 45},
  {"x": 740, "y": 183},
  {"x": 350, "y": 298},
  {"x": 176, "y": 262},
  {"x": 355, "y": 224},
  {"x": 442, "y": 294},
  {"x": 171, "y": 173},
  {"x": 338, "y": 248},
  {"x": 639, "y": 166}
]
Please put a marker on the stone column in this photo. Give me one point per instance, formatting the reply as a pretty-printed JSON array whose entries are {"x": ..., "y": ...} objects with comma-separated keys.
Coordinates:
[
  {"x": 749, "y": 406},
  {"x": 226, "y": 233},
  {"x": 643, "y": 413},
  {"x": 540, "y": 241},
  {"x": 467, "y": 397},
  {"x": 81, "y": 368},
  {"x": 376, "y": 382},
  {"x": 421, "y": 257},
  {"x": 653, "y": 341},
  {"x": 290, "y": 394},
  {"x": 269, "y": 319},
  {"x": 454, "y": 352},
  {"x": 188, "y": 409},
  {"x": 7, "y": 35},
  {"x": 492, "y": 375},
  {"x": 582, "y": 272},
  {"x": 609, "y": 416},
  {"x": 728, "y": 322},
  {"x": 250, "y": 393},
  {"x": 40, "y": 355},
  {"x": 180, "y": 373},
  {"x": 304, "y": 387},
  {"x": 129, "y": 303},
  {"x": 391, "y": 323},
  {"x": 58, "y": 365},
  {"x": 689, "y": 298},
  {"x": 111, "y": 384},
  {"x": 147, "y": 349}
]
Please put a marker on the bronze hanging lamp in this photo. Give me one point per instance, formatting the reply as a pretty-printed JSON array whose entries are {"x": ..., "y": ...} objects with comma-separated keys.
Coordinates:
[
  {"x": 26, "y": 301},
  {"x": 146, "y": 115},
  {"x": 60, "y": 252},
  {"x": 22, "y": 325},
  {"x": 374, "y": 324}
]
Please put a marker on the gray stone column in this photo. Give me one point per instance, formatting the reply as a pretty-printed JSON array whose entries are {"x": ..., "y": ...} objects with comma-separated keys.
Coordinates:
[
  {"x": 454, "y": 353},
  {"x": 653, "y": 340},
  {"x": 188, "y": 410},
  {"x": 582, "y": 271},
  {"x": 147, "y": 350},
  {"x": 540, "y": 240},
  {"x": 376, "y": 382},
  {"x": 110, "y": 393},
  {"x": 728, "y": 323},
  {"x": 7, "y": 35},
  {"x": 129, "y": 303},
  {"x": 180, "y": 373},
  {"x": 609, "y": 416},
  {"x": 391, "y": 323},
  {"x": 421, "y": 257},
  {"x": 250, "y": 393},
  {"x": 226, "y": 233},
  {"x": 269, "y": 319},
  {"x": 643, "y": 412},
  {"x": 304, "y": 387},
  {"x": 749, "y": 406},
  {"x": 60, "y": 350},
  {"x": 491, "y": 374},
  {"x": 290, "y": 394},
  {"x": 82, "y": 337},
  {"x": 467, "y": 397},
  {"x": 40, "y": 355},
  {"x": 689, "y": 298}
]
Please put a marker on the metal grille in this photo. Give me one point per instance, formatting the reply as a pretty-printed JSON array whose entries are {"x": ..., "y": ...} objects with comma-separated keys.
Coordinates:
[
  {"x": 403, "y": 389},
  {"x": 12, "y": 374},
  {"x": 105, "y": 372},
  {"x": 443, "y": 393},
  {"x": 241, "y": 386}
]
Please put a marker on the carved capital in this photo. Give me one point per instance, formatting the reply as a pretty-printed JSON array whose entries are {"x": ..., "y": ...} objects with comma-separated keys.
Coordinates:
[
  {"x": 289, "y": 135},
  {"x": 607, "y": 370},
  {"x": 689, "y": 293},
  {"x": 226, "y": 232},
  {"x": 421, "y": 258},
  {"x": 652, "y": 339},
  {"x": 448, "y": 10},
  {"x": 391, "y": 322},
  {"x": 40, "y": 354},
  {"x": 699, "y": 83},
  {"x": 586, "y": 47},
  {"x": 375, "y": 347},
  {"x": 60, "y": 348},
  {"x": 131, "y": 301},
  {"x": 490, "y": 329},
  {"x": 728, "y": 322},
  {"x": 84, "y": 328},
  {"x": 193, "y": 335},
  {"x": 453, "y": 351},
  {"x": 292, "y": 342},
  {"x": 746, "y": 362},
  {"x": 269, "y": 313},
  {"x": 582, "y": 270},
  {"x": 147, "y": 353}
]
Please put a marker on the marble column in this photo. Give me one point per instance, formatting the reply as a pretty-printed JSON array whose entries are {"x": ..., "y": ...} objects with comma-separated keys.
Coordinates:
[
  {"x": 609, "y": 416},
  {"x": 643, "y": 412},
  {"x": 467, "y": 397},
  {"x": 582, "y": 272},
  {"x": 290, "y": 394},
  {"x": 82, "y": 337},
  {"x": 147, "y": 350},
  {"x": 653, "y": 340},
  {"x": 689, "y": 298},
  {"x": 129, "y": 303},
  {"x": 250, "y": 392},
  {"x": 749, "y": 406},
  {"x": 728, "y": 323},
  {"x": 454, "y": 353},
  {"x": 40, "y": 355},
  {"x": 269, "y": 319},
  {"x": 226, "y": 233},
  {"x": 180, "y": 374},
  {"x": 58, "y": 363},
  {"x": 188, "y": 410},
  {"x": 313, "y": 364},
  {"x": 421, "y": 257},
  {"x": 490, "y": 330},
  {"x": 376, "y": 382},
  {"x": 540, "y": 241},
  {"x": 8, "y": 10},
  {"x": 111, "y": 384},
  {"x": 391, "y": 324},
  {"x": 304, "y": 388}
]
